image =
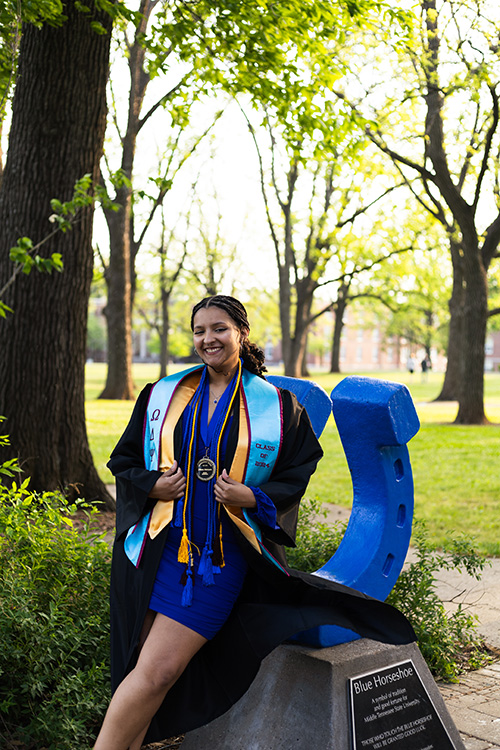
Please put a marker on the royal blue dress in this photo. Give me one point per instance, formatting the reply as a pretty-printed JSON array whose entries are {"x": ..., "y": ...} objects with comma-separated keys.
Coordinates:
[{"x": 210, "y": 605}]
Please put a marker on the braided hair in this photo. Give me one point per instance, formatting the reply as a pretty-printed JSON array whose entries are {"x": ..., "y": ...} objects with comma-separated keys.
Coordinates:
[{"x": 251, "y": 354}]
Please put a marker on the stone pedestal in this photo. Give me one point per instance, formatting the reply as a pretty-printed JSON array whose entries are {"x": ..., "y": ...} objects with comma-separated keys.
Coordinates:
[{"x": 300, "y": 700}]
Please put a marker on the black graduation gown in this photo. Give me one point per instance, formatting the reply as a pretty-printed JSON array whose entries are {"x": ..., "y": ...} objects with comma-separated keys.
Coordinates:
[{"x": 272, "y": 606}]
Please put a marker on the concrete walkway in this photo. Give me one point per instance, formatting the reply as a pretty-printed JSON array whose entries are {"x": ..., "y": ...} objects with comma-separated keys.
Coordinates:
[{"x": 473, "y": 702}]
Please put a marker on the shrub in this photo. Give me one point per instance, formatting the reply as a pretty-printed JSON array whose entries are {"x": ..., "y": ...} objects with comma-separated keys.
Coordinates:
[
  {"x": 449, "y": 642},
  {"x": 316, "y": 540},
  {"x": 54, "y": 615}
]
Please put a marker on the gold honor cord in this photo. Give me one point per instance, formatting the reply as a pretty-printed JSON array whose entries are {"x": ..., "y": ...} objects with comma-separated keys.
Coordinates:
[
  {"x": 184, "y": 555},
  {"x": 163, "y": 509},
  {"x": 228, "y": 412}
]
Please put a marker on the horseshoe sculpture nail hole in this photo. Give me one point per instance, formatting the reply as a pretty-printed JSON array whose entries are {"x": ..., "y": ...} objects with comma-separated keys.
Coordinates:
[
  {"x": 388, "y": 565},
  {"x": 401, "y": 516},
  {"x": 399, "y": 469}
]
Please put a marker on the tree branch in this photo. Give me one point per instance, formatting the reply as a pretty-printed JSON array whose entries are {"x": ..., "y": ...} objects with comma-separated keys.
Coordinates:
[
  {"x": 142, "y": 121},
  {"x": 487, "y": 148},
  {"x": 263, "y": 189}
]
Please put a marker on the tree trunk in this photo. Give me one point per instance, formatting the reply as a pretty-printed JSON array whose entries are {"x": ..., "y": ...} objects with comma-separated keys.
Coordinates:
[
  {"x": 120, "y": 273},
  {"x": 304, "y": 369},
  {"x": 471, "y": 401},
  {"x": 293, "y": 361},
  {"x": 450, "y": 390},
  {"x": 119, "y": 383},
  {"x": 163, "y": 330},
  {"x": 56, "y": 137},
  {"x": 471, "y": 396},
  {"x": 285, "y": 324},
  {"x": 297, "y": 344},
  {"x": 337, "y": 334}
]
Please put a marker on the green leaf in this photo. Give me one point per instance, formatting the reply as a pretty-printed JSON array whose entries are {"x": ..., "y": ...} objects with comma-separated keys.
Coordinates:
[
  {"x": 4, "y": 309},
  {"x": 98, "y": 28}
]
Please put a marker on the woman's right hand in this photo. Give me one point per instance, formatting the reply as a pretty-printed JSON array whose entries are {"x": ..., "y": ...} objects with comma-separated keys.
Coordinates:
[{"x": 171, "y": 484}]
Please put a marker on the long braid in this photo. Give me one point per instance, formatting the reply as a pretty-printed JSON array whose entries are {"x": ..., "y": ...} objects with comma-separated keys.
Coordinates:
[{"x": 252, "y": 355}]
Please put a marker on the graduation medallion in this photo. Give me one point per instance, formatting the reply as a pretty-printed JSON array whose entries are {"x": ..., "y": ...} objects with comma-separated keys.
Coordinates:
[{"x": 205, "y": 469}]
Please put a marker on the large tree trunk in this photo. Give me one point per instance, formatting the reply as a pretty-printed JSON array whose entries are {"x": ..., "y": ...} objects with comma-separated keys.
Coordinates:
[
  {"x": 58, "y": 124},
  {"x": 471, "y": 400},
  {"x": 471, "y": 396}
]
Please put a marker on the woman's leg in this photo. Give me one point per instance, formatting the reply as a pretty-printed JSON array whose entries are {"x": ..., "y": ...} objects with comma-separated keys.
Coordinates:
[
  {"x": 137, "y": 743},
  {"x": 168, "y": 649},
  {"x": 146, "y": 627}
]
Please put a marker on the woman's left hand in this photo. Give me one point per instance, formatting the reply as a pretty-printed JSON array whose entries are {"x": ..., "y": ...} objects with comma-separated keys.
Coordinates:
[{"x": 231, "y": 492}]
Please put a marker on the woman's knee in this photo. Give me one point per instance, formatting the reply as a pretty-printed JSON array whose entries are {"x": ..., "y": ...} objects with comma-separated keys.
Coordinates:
[
  {"x": 168, "y": 648},
  {"x": 161, "y": 672}
]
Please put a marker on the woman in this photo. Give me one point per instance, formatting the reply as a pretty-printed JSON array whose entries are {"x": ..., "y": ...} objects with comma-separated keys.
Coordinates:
[{"x": 209, "y": 474}]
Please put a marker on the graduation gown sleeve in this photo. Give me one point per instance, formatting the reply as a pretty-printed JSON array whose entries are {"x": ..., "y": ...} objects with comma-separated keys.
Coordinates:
[{"x": 133, "y": 481}]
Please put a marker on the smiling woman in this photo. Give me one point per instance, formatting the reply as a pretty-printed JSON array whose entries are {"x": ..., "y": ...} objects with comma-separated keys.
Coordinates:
[
  {"x": 217, "y": 340},
  {"x": 210, "y": 473}
]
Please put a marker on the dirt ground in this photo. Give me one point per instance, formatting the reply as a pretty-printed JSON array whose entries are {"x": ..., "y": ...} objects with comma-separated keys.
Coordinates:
[{"x": 171, "y": 744}]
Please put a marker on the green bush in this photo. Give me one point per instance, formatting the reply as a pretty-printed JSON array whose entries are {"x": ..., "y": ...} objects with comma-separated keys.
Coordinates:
[
  {"x": 54, "y": 668},
  {"x": 54, "y": 615},
  {"x": 316, "y": 540},
  {"x": 449, "y": 642}
]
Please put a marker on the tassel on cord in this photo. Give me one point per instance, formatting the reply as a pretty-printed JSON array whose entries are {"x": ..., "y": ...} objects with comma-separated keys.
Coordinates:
[
  {"x": 218, "y": 554},
  {"x": 183, "y": 554},
  {"x": 208, "y": 573},
  {"x": 187, "y": 594},
  {"x": 203, "y": 560}
]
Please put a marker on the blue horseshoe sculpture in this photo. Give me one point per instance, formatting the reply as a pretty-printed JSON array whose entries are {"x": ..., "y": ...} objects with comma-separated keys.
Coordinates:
[{"x": 375, "y": 420}]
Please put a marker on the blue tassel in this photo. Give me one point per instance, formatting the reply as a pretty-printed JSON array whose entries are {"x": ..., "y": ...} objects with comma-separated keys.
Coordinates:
[
  {"x": 208, "y": 573},
  {"x": 187, "y": 594},
  {"x": 178, "y": 522},
  {"x": 203, "y": 561},
  {"x": 216, "y": 569}
]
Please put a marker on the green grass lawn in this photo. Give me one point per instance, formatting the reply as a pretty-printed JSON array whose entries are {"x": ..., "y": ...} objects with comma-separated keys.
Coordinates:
[{"x": 456, "y": 469}]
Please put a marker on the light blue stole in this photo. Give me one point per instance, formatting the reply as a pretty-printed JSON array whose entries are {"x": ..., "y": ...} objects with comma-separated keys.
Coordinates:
[{"x": 261, "y": 402}]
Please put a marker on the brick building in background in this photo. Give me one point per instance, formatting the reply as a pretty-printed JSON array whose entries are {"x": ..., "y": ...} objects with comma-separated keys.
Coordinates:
[{"x": 364, "y": 346}]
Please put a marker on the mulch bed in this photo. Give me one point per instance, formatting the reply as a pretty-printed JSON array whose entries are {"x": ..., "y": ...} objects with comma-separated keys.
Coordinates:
[{"x": 171, "y": 744}]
